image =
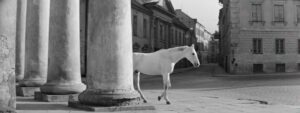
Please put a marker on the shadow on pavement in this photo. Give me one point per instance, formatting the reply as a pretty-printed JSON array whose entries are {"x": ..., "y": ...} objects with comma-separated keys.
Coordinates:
[
  {"x": 202, "y": 79},
  {"x": 36, "y": 106}
]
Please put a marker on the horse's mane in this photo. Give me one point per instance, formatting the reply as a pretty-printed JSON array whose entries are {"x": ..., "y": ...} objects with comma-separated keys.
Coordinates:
[{"x": 175, "y": 49}]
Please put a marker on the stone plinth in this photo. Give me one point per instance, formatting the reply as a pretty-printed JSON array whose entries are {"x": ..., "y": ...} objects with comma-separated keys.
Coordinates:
[
  {"x": 8, "y": 9},
  {"x": 53, "y": 98},
  {"x": 37, "y": 39},
  {"x": 109, "y": 54},
  {"x": 77, "y": 104},
  {"x": 27, "y": 91},
  {"x": 64, "y": 76}
]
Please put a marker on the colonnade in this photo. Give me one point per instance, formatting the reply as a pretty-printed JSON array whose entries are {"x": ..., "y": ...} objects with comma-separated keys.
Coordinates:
[{"x": 48, "y": 49}]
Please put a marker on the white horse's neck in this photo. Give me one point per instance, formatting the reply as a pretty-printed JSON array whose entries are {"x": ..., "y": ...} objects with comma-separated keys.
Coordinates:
[{"x": 176, "y": 56}]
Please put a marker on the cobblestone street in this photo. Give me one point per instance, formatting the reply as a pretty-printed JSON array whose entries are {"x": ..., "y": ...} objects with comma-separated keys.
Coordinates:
[{"x": 196, "y": 91}]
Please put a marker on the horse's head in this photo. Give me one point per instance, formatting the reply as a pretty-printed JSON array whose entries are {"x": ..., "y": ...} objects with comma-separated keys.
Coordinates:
[{"x": 192, "y": 56}]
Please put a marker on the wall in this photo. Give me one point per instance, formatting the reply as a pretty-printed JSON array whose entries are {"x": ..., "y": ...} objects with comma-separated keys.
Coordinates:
[
  {"x": 237, "y": 41},
  {"x": 7, "y": 54},
  {"x": 140, "y": 39}
]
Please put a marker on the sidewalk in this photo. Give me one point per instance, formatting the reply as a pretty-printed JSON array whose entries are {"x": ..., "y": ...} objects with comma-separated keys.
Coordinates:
[
  {"x": 218, "y": 71},
  {"x": 189, "y": 95},
  {"x": 183, "y": 101}
]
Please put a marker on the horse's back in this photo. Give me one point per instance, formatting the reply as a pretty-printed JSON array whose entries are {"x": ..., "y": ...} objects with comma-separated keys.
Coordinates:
[{"x": 146, "y": 63}]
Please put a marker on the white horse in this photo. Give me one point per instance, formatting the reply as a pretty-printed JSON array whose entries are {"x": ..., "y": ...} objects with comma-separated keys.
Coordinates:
[{"x": 162, "y": 63}]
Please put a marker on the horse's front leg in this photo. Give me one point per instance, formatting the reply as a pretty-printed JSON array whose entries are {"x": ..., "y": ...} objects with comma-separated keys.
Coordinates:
[
  {"x": 137, "y": 82},
  {"x": 167, "y": 84}
]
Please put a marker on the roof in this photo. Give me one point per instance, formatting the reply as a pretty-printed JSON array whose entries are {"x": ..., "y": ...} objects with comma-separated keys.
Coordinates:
[
  {"x": 137, "y": 4},
  {"x": 179, "y": 11},
  {"x": 177, "y": 22}
]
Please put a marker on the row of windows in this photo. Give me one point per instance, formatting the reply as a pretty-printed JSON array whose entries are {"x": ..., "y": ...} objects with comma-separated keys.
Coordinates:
[
  {"x": 280, "y": 67},
  {"x": 177, "y": 35},
  {"x": 259, "y": 68},
  {"x": 135, "y": 26},
  {"x": 279, "y": 16},
  {"x": 279, "y": 46}
]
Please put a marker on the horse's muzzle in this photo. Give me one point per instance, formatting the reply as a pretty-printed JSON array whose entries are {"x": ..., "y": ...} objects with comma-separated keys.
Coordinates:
[{"x": 196, "y": 64}]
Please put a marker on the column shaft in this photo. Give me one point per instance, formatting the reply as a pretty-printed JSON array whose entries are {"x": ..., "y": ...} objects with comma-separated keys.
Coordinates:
[
  {"x": 64, "y": 75},
  {"x": 109, "y": 71},
  {"x": 8, "y": 10},
  {"x": 37, "y": 39},
  {"x": 20, "y": 39}
]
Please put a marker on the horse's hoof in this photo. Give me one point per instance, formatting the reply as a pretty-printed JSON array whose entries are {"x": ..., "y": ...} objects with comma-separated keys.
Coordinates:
[
  {"x": 168, "y": 103},
  {"x": 159, "y": 98},
  {"x": 145, "y": 101}
]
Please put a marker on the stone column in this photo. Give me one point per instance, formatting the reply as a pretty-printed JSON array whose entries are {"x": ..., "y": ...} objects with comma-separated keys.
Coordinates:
[
  {"x": 20, "y": 39},
  {"x": 64, "y": 75},
  {"x": 8, "y": 10},
  {"x": 109, "y": 71},
  {"x": 37, "y": 39}
]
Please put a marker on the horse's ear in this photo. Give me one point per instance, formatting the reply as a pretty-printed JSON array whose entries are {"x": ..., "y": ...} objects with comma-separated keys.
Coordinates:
[{"x": 192, "y": 46}]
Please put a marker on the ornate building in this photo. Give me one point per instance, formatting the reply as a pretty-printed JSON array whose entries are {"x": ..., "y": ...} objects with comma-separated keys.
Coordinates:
[
  {"x": 154, "y": 27},
  {"x": 198, "y": 35},
  {"x": 260, "y": 36}
]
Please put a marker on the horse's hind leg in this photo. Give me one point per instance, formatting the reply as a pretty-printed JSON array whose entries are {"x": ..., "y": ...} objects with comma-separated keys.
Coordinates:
[
  {"x": 137, "y": 82},
  {"x": 166, "y": 82}
]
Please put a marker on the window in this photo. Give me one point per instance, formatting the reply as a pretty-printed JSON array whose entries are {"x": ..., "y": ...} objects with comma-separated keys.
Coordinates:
[
  {"x": 280, "y": 67},
  {"x": 161, "y": 32},
  {"x": 279, "y": 13},
  {"x": 258, "y": 68},
  {"x": 298, "y": 66},
  {"x": 198, "y": 32},
  {"x": 298, "y": 13},
  {"x": 166, "y": 33},
  {"x": 202, "y": 33},
  {"x": 299, "y": 46},
  {"x": 175, "y": 39},
  {"x": 180, "y": 41},
  {"x": 257, "y": 46},
  {"x": 181, "y": 38},
  {"x": 135, "y": 25},
  {"x": 178, "y": 37},
  {"x": 145, "y": 28},
  {"x": 257, "y": 12},
  {"x": 279, "y": 46},
  {"x": 171, "y": 36},
  {"x": 184, "y": 40}
]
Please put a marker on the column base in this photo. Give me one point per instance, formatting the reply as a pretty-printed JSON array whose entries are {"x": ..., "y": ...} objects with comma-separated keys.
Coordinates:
[
  {"x": 19, "y": 78},
  {"x": 56, "y": 89},
  {"x": 109, "y": 97},
  {"x": 26, "y": 91},
  {"x": 7, "y": 110},
  {"x": 31, "y": 83},
  {"x": 53, "y": 98},
  {"x": 78, "y": 105}
]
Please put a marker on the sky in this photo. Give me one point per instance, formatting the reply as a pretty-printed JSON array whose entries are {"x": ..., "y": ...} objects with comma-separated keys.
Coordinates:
[{"x": 205, "y": 11}]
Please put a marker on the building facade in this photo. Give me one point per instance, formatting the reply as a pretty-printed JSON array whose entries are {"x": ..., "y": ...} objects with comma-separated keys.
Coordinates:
[
  {"x": 260, "y": 36},
  {"x": 198, "y": 35},
  {"x": 213, "y": 51},
  {"x": 154, "y": 27},
  {"x": 141, "y": 25}
]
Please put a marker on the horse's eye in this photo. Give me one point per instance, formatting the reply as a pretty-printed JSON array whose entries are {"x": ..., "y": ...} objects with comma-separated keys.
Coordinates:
[{"x": 193, "y": 53}]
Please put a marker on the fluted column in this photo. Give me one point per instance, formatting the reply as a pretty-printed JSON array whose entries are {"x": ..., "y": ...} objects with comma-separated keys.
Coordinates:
[
  {"x": 8, "y": 10},
  {"x": 20, "y": 39},
  {"x": 37, "y": 39},
  {"x": 64, "y": 75},
  {"x": 109, "y": 71}
]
